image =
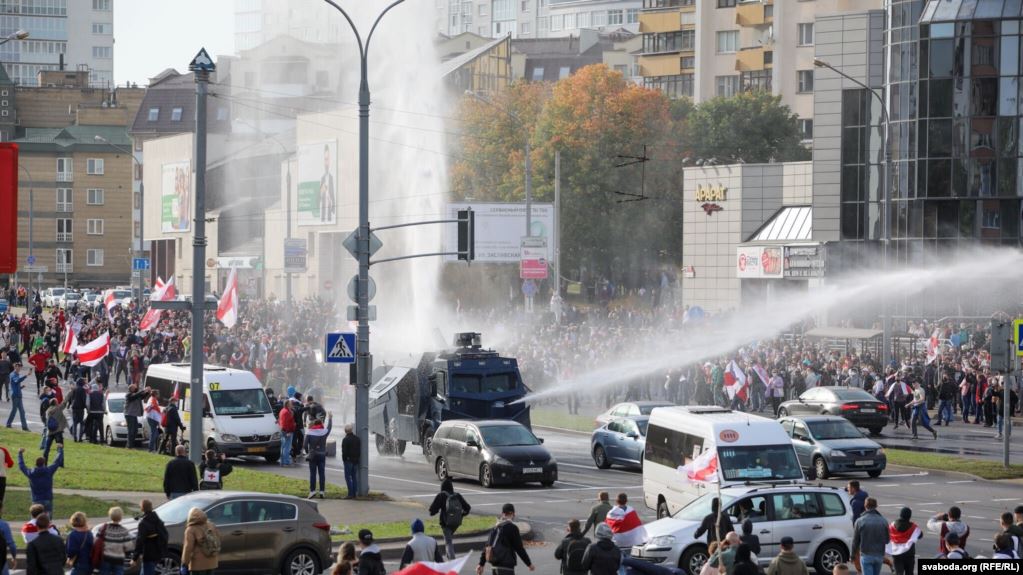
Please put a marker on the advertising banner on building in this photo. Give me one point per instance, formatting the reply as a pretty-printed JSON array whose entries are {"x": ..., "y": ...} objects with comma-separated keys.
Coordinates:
[
  {"x": 176, "y": 197},
  {"x": 317, "y": 197},
  {"x": 499, "y": 229},
  {"x": 533, "y": 259},
  {"x": 758, "y": 262},
  {"x": 9, "y": 208}
]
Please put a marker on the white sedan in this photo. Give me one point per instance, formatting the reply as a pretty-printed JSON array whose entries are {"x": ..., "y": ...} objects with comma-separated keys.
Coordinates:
[{"x": 115, "y": 426}]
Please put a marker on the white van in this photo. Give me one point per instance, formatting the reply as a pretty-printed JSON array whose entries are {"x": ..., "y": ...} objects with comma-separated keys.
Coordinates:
[
  {"x": 751, "y": 449},
  {"x": 238, "y": 418}
]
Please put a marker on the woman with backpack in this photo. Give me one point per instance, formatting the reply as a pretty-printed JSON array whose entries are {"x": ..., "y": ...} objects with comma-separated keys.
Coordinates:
[
  {"x": 452, "y": 508},
  {"x": 572, "y": 549},
  {"x": 201, "y": 550}
]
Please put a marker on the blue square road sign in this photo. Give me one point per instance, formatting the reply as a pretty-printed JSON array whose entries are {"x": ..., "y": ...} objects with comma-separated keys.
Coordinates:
[{"x": 339, "y": 348}]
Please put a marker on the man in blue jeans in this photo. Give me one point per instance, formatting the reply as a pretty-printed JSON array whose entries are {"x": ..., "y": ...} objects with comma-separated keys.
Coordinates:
[
  {"x": 870, "y": 535},
  {"x": 17, "y": 406},
  {"x": 351, "y": 450}
]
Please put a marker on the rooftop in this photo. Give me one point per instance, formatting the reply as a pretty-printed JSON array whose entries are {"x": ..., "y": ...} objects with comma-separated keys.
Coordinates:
[{"x": 38, "y": 139}]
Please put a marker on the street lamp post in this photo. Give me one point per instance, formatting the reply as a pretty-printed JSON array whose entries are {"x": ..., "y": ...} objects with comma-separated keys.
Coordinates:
[
  {"x": 142, "y": 220},
  {"x": 886, "y": 234},
  {"x": 363, "y": 357},
  {"x": 18, "y": 35}
]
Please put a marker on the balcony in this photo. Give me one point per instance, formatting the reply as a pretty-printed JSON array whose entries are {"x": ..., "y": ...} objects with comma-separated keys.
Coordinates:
[
  {"x": 754, "y": 14},
  {"x": 64, "y": 236},
  {"x": 65, "y": 207},
  {"x": 754, "y": 59},
  {"x": 668, "y": 4},
  {"x": 663, "y": 65},
  {"x": 65, "y": 176},
  {"x": 658, "y": 22},
  {"x": 65, "y": 268}
]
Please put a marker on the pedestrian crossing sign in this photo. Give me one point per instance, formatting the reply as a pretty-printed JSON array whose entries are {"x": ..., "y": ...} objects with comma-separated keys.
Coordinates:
[
  {"x": 1017, "y": 336},
  {"x": 340, "y": 348}
]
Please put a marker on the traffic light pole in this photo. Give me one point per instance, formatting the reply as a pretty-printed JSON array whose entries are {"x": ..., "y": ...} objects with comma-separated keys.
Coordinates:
[{"x": 196, "y": 447}]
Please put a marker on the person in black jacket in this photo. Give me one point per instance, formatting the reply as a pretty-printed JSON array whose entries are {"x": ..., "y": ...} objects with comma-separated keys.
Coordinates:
[
  {"x": 707, "y": 525},
  {"x": 370, "y": 562},
  {"x": 94, "y": 421},
  {"x": 440, "y": 505},
  {"x": 77, "y": 402},
  {"x": 351, "y": 454},
  {"x": 179, "y": 477},
  {"x": 504, "y": 543},
  {"x": 173, "y": 427},
  {"x": 151, "y": 540},
  {"x": 572, "y": 550},
  {"x": 46, "y": 552},
  {"x": 602, "y": 557}
]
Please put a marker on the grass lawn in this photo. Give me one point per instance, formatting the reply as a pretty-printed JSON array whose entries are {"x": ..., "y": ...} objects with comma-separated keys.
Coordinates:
[
  {"x": 397, "y": 529},
  {"x": 101, "y": 468},
  {"x": 939, "y": 462},
  {"x": 17, "y": 502},
  {"x": 555, "y": 417}
]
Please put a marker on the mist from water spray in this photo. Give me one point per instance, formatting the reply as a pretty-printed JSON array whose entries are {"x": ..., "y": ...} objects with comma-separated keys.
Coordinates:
[{"x": 971, "y": 273}]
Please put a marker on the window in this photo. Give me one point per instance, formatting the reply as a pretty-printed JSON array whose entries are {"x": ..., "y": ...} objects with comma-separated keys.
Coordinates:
[
  {"x": 671, "y": 86},
  {"x": 65, "y": 172},
  {"x": 614, "y": 17},
  {"x": 94, "y": 258},
  {"x": 102, "y": 28},
  {"x": 94, "y": 227},
  {"x": 94, "y": 197},
  {"x": 101, "y": 5},
  {"x": 728, "y": 41},
  {"x": 805, "y": 80},
  {"x": 64, "y": 258},
  {"x": 752, "y": 508},
  {"x": 689, "y": 40},
  {"x": 806, "y": 128},
  {"x": 504, "y": 9},
  {"x": 760, "y": 80},
  {"x": 795, "y": 506},
  {"x": 525, "y": 6},
  {"x": 726, "y": 3},
  {"x": 483, "y": 10},
  {"x": 599, "y": 18},
  {"x": 176, "y": 115},
  {"x": 570, "y": 21},
  {"x": 557, "y": 22},
  {"x": 632, "y": 16},
  {"x": 94, "y": 167},
  {"x": 564, "y": 72},
  {"x": 102, "y": 52},
  {"x": 154, "y": 114},
  {"x": 833, "y": 506},
  {"x": 805, "y": 34},
  {"x": 64, "y": 203},
  {"x": 537, "y": 74},
  {"x": 727, "y": 85},
  {"x": 260, "y": 511},
  {"x": 688, "y": 62},
  {"x": 543, "y": 24},
  {"x": 671, "y": 448},
  {"x": 229, "y": 513},
  {"x": 524, "y": 28},
  {"x": 583, "y": 19},
  {"x": 64, "y": 230}
]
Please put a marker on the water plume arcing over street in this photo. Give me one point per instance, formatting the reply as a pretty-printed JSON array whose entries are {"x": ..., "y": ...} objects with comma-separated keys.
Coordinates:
[{"x": 993, "y": 274}]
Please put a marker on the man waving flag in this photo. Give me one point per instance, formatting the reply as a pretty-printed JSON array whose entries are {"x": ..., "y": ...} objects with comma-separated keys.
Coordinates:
[{"x": 227, "y": 309}]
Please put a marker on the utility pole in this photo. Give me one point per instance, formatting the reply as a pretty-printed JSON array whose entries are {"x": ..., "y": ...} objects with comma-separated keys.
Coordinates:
[
  {"x": 529, "y": 190},
  {"x": 31, "y": 219},
  {"x": 557, "y": 229},
  {"x": 287, "y": 183},
  {"x": 1010, "y": 353}
]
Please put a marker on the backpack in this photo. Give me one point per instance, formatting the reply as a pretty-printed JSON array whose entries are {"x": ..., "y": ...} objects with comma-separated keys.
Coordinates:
[
  {"x": 163, "y": 419},
  {"x": 496, "y": 552},
  {"x": 51, "y": 424},
  {"x": 574, "y": 555},
  {"x": 210, "y": 544},
  {"x": 98, "y": 545},
  {"x": 453, "y": 512}
]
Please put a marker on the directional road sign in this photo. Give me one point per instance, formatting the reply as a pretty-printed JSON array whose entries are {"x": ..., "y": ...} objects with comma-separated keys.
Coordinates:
[
  {"x": 31, "y": 260},
  {"x": 1017, "y": 335},
  {"x": 138, "y": 264},
  {"x": 340, "y": 348}
]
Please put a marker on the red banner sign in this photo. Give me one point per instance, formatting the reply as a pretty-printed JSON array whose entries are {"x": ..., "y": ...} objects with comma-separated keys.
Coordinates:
[{"x": 8, "y": 208}]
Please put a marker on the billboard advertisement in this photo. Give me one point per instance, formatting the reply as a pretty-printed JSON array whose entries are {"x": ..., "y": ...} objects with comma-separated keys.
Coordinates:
[
  {"x": 176, "y": 197},
  {"x": 499, "y": 228},
  {"x": 533, "y": 259},
  {"x": 758, "y": 262},
  {"x": 8, "y": 208},
  {"x": 317, "y": 197}
]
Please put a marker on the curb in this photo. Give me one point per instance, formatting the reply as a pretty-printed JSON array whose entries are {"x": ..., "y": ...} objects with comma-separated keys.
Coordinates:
[{"x": 561, "y": 429}]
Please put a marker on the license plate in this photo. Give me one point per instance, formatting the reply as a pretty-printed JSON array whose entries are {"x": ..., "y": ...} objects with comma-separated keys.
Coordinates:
[
  {"x": 256, "y": 450},
  {"x": 865, "y": 462},
  {"x": 868, "y": 410},
  {"x": 532, "y": 470}
]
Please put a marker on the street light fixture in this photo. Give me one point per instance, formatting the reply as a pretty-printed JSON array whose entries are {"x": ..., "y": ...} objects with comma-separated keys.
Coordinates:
[
  {"x": 18, "y": 35},
  {"x": 886, "y": 328},
  {"x": 142, "y": 198}
]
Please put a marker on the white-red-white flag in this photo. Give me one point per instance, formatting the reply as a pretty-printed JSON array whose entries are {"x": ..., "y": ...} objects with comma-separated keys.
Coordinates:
[
  {"x": 932, "y": 347},
  {"x": 453, "y": 567},
  {"x": 164, "y": 292},
  {"x": 110, "y": 302},
  {"x": 703, "y": 469},
  {"x": 735, "y": 381},
  {"x": 626, "y": 526},
  {"x": 93, "y": 352},
  {"x": 227, "y": 309},
  {"x": 70, "y": 341}
]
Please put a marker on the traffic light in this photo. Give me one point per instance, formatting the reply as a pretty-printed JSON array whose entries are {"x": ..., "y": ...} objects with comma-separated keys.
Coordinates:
[{"x": 466, "y": 235}]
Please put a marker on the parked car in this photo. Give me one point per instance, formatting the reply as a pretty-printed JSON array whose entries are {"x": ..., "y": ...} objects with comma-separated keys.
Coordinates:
[
  {"x": 91, "y": 301},
  {"x": 856, "y": 405},
  {"x": 51, "y": 295},
  {"x": 620, "y": 441},
  {"x": 629, "y": 409},
  {"x": 116, "y": 426},
  {"x": 69, "y": 300},
  {"x": 260, "y": 533},
  {"x": 495, "y": 452},
  {"x": 4, "y": 306},
  {"x": 818, "y": 518},
  {"x": 828, "y": 444}
]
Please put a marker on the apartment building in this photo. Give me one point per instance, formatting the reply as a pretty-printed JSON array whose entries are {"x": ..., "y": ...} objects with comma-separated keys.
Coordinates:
[
  {"x": 63, "y": 34},
  {"x": 706, "y": 48},
  {"x": 536, "y": 18}
]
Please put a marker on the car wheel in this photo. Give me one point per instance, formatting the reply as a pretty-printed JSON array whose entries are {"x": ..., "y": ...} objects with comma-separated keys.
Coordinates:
[
  {"x": 427, "y": 443},
  {"x": 301, "y": 562},
  {"x": 600, "y": 458},
  {"x": 442, "y": 469},
  {"x": 383, "y": 446},
  {"x": 399, "y": 447},
  {"x": 783, "y": 412},
  {"x": 828, "y": 555},
  {"x": 874, "y": 473},
  {"x": 820, "y": 467},
  {"x": 486, "y": 476},
  {"x": 876, "y": 430},
  {"x": 110, "y": 437},
  {"x": 547, "y": 483},
  {"x": 272, "y": 457},
  {"x": 170, "y": 564},
  {"x": 662, "y": 509},
  {"x": 693, "y": 559}
]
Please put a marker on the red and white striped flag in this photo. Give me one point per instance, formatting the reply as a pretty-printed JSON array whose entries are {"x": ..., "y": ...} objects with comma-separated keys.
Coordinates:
[
  {"x": 164, "y": 292},
  {"x": 626, "y": 526},
  {"x": 900, "y": 542},
  {"x": 932, "y": 347},
  {"x": 703, "y": 469},
  {"x": 735, "y": 381},
  {"x": 227, "y": 309},
  {"x": 453, "y": 567},
  {"x": 109, "y": 302},
  {"x": 93, "y": 352},
  {"x": 70, "y": 341}
]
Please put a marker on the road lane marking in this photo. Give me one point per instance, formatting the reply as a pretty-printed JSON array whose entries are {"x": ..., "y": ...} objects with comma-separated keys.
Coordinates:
[
  {"x": 887, "y": 485},
  {"x": 970, "y": 501},
  {"x": 961, "y": 481},
  {"x": 1006, "y": 499},
  {"x": 977, "y": 517},
  {"x": 920, "y": 474},
  {"x": 922, "y": 483}
]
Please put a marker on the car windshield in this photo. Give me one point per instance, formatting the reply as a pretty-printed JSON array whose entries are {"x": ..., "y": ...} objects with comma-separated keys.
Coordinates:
[
  {"x": 840, "y": 429},
  {"x": 765, "y": 462},
  {"x": 250, "y": 401},
  {"x": 853, "y": 395},
  {"x": 176, "y": 510},
  {"x": 642, "y": 427},
  {"x": 72, "y": 296},
  {"x": 506, "y": 435},
  {"x": 646, "y": 409},
  {"x": 58, "y": 291},
  {"x": 120, "y": 294},
  {"x": 115, "y": 405},
  {"x": 700, "y": 507}
]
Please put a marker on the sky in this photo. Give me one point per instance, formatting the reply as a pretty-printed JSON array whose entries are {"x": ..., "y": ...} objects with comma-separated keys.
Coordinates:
[{"x": 153, "y": 35}]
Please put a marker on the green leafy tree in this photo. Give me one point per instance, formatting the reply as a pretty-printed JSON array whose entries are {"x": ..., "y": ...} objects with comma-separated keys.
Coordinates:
[{"x": 751, "y": 127}]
